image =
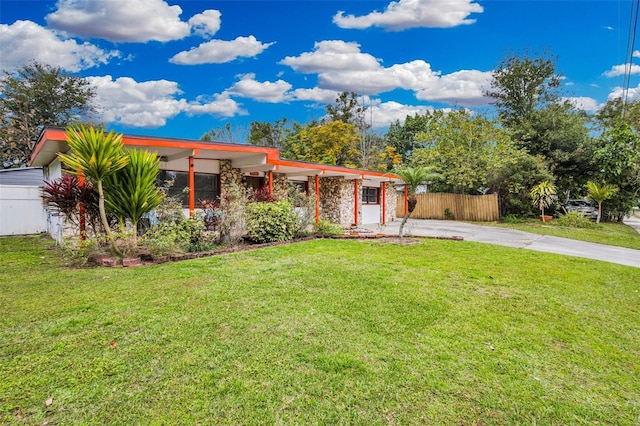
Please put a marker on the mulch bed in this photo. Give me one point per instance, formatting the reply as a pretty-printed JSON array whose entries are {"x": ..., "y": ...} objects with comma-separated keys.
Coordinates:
[{"x": 146, "y": 259}]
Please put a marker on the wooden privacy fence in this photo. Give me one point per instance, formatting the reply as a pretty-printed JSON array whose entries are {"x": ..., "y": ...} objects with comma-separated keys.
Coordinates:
[{"x": 480, "y": 208}]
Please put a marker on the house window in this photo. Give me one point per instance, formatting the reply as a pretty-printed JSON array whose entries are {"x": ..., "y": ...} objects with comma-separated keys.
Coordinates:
[
  {"x": 301, "y": 186},
  {"x": 206, "y": 185},
  {"x": 370, "y": 195}
]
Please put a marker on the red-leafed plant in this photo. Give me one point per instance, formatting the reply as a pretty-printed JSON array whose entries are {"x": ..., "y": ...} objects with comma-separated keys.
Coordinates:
[
  {"x": 66, "y": 195},
  {"x": 262, "y": 195}
]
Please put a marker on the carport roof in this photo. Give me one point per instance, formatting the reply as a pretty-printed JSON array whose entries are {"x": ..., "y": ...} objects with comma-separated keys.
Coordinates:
[{"x": 248, "y": 158}]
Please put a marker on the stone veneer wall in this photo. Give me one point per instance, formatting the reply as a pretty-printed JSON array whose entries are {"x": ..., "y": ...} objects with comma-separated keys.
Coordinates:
[
  {"x": 336, "y": 200},
  {"x": 229, "y": 176},
  {"x": 280, "y": 185},
  {"x": 391, "y": 202}
]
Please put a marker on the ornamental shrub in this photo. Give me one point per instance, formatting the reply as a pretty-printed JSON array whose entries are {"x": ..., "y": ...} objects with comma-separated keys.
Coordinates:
[
  {"x": 575, "y": 220},
  {"x": 270, "y": 222},
  {"x": 324, "y": 228},
  {"x": 168, "y": 238}
]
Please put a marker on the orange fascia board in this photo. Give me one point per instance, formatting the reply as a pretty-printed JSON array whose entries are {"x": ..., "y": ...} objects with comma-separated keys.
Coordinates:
[
  {"x": 273, "y": 154},
  {"x": 338, "y": 169},
  {"x": 189, "y": 144},
  {"x": 47, "y": 134},
  {"x": 150, "y": 142}
]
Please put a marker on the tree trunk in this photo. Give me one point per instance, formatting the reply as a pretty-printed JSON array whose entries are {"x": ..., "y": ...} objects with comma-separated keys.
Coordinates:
[
  {"x": 412, "y": 201},
  {"x": 599, "y": 213},
  {"x": 404, "y": 220},
  {"x": 105, "y": 222}
]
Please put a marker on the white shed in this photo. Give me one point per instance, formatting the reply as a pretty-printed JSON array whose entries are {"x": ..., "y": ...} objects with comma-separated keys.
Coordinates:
[{"x": 21, "y": 208}]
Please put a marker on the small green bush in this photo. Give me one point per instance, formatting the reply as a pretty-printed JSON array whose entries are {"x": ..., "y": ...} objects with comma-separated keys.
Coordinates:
[
  {"x": 448, "y": 214},
  {"x": 575, "y": 220},
  {"x": 177, "y": 237},
  {"x": 270, "y": 222},
  {"x": 324, "y": 228},
  {"x": 512, "y": 218}
]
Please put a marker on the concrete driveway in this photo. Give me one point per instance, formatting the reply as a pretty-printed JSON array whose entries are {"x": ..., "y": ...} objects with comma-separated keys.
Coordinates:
[{"x": 514, "y": 238}]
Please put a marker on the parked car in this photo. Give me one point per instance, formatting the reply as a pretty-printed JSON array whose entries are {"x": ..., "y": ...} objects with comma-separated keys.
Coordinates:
[{"x": 584, "y": 207}]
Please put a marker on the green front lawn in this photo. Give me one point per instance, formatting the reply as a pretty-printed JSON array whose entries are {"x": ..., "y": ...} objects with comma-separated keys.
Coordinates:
[
  {"x": 321, "y": 332},
  {"x": 614, "y": 234}
]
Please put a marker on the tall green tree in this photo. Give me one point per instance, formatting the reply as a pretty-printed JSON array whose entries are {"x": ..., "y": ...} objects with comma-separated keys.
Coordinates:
[
  {"x": 560, "y": 134},
  {"x": 348, "y": 109},
  {"x": 618, "y": 161},
  {"x": 402, "y": 136},
  {"x": 614, "y": 112},
  {"x": 38, "y": 95},
  {"x": 131, "y": 191},
  {"x": 333, "y": 143},
  {"x": 95, "y": 155},
  {"x": 523, "y": 83},
  {"x": 462, "y": 148},
  {"x": 268, "y": 134},
  {"x": 227, "y": 134}
]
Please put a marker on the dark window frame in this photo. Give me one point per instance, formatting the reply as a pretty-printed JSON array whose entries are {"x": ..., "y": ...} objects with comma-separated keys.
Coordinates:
[
  {"x": 369, "y": 198},
  {"x": 178, "y": 187}
]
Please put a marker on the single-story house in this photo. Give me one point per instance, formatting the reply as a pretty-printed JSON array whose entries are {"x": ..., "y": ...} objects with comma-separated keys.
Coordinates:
[{"x": 343, "y": 195}]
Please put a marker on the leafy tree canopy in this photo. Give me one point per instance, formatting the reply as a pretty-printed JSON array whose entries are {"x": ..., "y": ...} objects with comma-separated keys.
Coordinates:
[
  {"x": 462, "y": 148},
  {"x": 402, "y": 137},
  {"x": 333, "y": 143},
  {"x": 613, "y": 113},
  {"x": 267, "y": 134},
  {"x": 38, "y": 95},
  {"x": 522, "y": 84},
  {"x": 618, "y": 160}
]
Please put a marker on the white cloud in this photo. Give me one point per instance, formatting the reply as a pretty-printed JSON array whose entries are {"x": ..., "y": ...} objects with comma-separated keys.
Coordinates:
[
  {"x": 405, "y": 14},
  {"x": 618, "y": 70},
  {"x": 324, "y": 96},
  {"x": 267, "y": 91},
  {"x": 464, "y": 88},
  {"x": 118, "y": 21},
  {"x": 151, "y": 103},
  {"x": 25, "y": 41},
  {"x": 385, "y": 113},
  {"x": 633, "y": 93},
  {"x": 584, "y": 103},
  {"x": 220, "y": 51},
  {"x": 636, "y": 54},
  {"x": 412, "y": 75},
  {"x": 136, "y": 104},
  {"x": 332, "y": 55},
  {"x": 206, "y": 23},
  {"x": 221, "y": 104},
  {"x": 363, "y": 73}
]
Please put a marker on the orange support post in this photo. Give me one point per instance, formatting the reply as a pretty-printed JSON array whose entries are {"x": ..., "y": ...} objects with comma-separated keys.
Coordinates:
[
  {"x": 355, "y": 201},
  {"x": 192, "y": 187},
  {"x": 270, "y": 183},
  {"x": 83, "y": 215},
  {"x": 383, "y": 200},
  {"x": 406, "y": 199},
  {"x": 317, "y": 198}
]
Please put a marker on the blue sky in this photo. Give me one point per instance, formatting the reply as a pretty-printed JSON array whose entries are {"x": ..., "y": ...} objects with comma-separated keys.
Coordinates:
[{"x": 179, "y": 68}]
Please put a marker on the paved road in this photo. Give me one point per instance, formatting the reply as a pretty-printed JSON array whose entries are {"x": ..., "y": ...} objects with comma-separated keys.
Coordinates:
[{"x": 514, "y": 238}]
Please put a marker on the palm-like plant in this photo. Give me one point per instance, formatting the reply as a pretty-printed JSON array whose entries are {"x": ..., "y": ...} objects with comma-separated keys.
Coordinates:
[
  {"x": 542, "y": 195},
  {"x": 599, "y": 194},
  {"x": 412, "y": 177},
  {"x": 132, "y": 191},
  {"x": 96, "y": 156}
]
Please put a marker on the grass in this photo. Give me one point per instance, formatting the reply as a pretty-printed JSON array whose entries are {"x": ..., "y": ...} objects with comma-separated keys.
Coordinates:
[
  {"x": 614, "y": 234},
  {"x": 321, "y": 332}
]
